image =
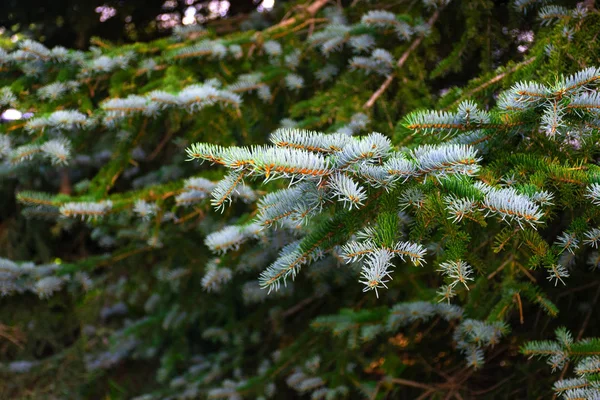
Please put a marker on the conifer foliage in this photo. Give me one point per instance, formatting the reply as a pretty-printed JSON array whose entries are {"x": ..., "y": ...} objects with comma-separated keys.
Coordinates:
[{"x": 368, "y": 201}]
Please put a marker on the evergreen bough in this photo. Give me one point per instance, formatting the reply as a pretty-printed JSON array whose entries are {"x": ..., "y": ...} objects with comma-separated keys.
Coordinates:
[{"x": 347, "y": 158}]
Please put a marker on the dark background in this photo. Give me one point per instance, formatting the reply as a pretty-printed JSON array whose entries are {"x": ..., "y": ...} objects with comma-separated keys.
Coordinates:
[{"x": 71, "y": 23}]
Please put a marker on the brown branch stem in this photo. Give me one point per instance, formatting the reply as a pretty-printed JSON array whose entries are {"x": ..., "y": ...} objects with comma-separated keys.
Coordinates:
[
  {"x": 310, "y": 10},
  {"x": 400, "y": 64},
  {"x": 495, "y": 79}
]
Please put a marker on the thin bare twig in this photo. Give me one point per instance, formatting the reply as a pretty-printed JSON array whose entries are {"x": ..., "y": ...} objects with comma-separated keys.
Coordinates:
[
  {"x": 501, "y": 267},
  {"x": 494, "y": 387},
  {"x": 521, "y": 318},
  {"x": 527, "y": 273},
  {"x": 400, "y": 63},
  {"x": 299, "y": 306},
  {"x": 406, "y": 382},
  {"x": 310, "y": 10},
  {"x": 495, "y": 79}
]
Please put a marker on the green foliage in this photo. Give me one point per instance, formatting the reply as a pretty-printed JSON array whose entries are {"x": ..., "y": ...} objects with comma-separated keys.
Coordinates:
[{"x": 135, "y": 266}]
